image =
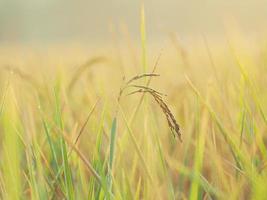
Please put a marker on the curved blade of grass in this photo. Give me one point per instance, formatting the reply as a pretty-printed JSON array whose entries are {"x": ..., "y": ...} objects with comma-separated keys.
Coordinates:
[
  {"x": 82, "y": 69},
  {"x": 249, "y": 81},
  {"x": 239, "y": 156}
]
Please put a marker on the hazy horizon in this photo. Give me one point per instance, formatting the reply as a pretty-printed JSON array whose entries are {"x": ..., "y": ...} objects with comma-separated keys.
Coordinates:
[{"x": 41, "y": 21}]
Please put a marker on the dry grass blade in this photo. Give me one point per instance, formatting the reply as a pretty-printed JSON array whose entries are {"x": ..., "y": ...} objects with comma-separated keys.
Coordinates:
[
  {"x": 75, "y": 142},
  {"x": 85, "y": 123},
  {"x": 83, "y": 158},
  {"x": 83, "y": 67},
  {"x": 23, "y": 76}
]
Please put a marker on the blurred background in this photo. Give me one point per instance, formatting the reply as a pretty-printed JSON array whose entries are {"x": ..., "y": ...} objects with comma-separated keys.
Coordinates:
[{"x": 94, "y": 21}]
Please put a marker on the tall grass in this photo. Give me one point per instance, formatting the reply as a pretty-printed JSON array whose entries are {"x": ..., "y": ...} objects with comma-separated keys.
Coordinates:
[{"x": 63, "y": 138}]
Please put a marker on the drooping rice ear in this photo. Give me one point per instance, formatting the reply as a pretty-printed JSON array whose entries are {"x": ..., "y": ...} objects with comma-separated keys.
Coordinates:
[{"x": 172, "y": 123}]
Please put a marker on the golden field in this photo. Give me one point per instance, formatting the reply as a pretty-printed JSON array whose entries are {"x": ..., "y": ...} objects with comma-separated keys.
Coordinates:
[{"x": 66, "y": 134}]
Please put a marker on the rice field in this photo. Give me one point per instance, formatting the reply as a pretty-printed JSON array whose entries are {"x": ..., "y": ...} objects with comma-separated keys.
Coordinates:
[{"x": 128, "y": 121}]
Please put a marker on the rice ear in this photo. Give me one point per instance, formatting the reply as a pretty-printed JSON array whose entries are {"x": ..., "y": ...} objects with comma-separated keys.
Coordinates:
[
  {"x": 169, "y": 116},
  {"x": 172, "y": 123}
]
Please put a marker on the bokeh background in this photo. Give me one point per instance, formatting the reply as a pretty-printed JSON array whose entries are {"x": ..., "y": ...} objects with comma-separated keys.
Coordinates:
[
  {"x": 59, "y": 21},
  {"x": 59, "y": 57}
]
